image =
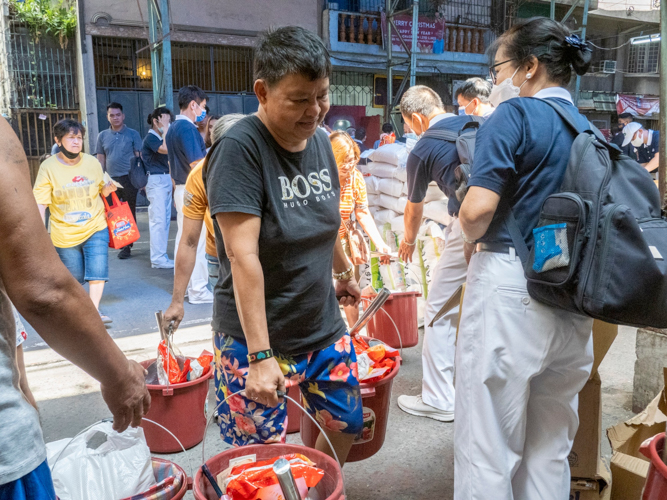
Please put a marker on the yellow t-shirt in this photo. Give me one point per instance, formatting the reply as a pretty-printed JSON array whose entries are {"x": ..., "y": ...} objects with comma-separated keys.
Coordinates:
[
  {"x": 195, "y": 205},
  {"x": 72, "y": 193}
]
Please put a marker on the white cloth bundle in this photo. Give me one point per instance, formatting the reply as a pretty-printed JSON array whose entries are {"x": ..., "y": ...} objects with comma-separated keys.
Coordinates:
[
  {"x": 394, "y": 154},
  {"x": 382, "y": 217},
  {"x": 392, "y": 203},
  {"x": 437, "y": 211},
  {"x": 433, "y": 193},
  {"x": 371, "y": 184},
  {"x": 373, "y": 199},
  {"x": 392, "y": 187},
  {"x": 388, "y": 171}
]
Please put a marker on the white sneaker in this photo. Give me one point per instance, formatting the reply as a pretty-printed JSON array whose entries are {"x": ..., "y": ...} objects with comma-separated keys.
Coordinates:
[
  {"x": 414, "y": 405},
  {"x": 202, "y": 298}
]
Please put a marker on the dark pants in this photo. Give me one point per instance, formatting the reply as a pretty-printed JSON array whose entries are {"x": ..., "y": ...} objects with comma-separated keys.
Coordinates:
[{"x": 128, "y": 194}]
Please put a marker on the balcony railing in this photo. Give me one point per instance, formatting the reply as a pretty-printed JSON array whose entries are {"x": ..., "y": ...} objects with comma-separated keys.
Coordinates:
[{"x": 366, "y": 29}]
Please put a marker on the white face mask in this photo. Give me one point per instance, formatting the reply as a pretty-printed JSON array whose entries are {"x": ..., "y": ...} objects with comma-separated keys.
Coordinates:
[
  {"x": 639, "y": 141},
  {"x": 505, "y": 91}
]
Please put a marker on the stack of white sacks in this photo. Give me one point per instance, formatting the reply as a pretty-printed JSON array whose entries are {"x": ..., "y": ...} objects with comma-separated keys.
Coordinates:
[{"x": 386, "y": 185}]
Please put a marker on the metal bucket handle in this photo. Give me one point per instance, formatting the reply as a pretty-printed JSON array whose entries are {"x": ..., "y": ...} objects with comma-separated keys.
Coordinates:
[
  {"x": 281, "y": 394},
  {"x": 398, "y": 334}
]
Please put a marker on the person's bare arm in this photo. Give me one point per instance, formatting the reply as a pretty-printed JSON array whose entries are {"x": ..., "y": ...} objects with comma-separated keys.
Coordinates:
[
  {"x": 477, "y": 210},
  {"x": 51, "y": 300},
  {"x": 240, "y": 233},
  {"x": 163, "y": 149},
  {"x": 103, "y": 161},
  {"x": 185, "y": 263},
  {"x": 652, "y": 165},
  {"x": 23, "y": 378},
  {"x": 347, "y": 291},
  {"x": 368, "y": 224},
  {"x": 412, "y": 219}
]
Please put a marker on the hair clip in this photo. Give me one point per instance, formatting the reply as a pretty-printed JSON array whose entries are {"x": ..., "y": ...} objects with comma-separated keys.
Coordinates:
[{"x": 577, "y": 43}]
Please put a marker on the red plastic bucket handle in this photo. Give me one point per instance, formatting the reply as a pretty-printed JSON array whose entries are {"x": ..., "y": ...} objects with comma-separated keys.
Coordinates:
[
  {"x": 368, "y": 392},
  {"x": 167, "y": 392}
]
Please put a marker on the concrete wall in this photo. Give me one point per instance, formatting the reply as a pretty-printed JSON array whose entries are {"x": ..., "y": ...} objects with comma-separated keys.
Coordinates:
[{"x": 211, "y": 15}]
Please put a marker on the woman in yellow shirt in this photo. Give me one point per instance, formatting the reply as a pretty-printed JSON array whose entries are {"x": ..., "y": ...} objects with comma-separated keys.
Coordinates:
[{"x": 70, "y": 184}]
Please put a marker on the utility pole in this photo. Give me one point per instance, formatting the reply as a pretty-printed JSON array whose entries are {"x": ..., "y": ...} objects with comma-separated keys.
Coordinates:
[
  {"x": 584, "y": 23},
  {"x": 662, "y": 168},
  {"x": 390, "y": 79},
  {"x": 413, "y": 53},
  {"x": 159, "y": 40}
]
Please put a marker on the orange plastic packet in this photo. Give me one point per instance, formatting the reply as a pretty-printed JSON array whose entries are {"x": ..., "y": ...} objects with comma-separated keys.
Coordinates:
[
  {"x": 245, "y": 480},
  {"x": 168, "y": 364}
]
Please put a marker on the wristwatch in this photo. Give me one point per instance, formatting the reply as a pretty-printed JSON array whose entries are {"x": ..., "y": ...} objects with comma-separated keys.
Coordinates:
[{"x": 469, "y": 242}]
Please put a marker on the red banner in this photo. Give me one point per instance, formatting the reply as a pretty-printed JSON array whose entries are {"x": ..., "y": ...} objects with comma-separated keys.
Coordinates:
[
  {"x": 637, "y": 105},
  {"x": 430, "y": 37}
]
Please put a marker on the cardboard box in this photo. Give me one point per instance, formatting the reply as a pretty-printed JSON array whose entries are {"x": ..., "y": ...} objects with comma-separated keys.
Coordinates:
[
  {"x": 585, "y": 455},
  {"x": 628, "y": 466},
  {"x": 596, "y": 488}
]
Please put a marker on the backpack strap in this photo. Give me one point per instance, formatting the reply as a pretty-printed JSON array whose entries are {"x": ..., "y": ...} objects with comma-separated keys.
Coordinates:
[
  {"x": 517, "y": 238},
  {"x": 445, "y": 135},
  {"x": 567, "y": 118}
]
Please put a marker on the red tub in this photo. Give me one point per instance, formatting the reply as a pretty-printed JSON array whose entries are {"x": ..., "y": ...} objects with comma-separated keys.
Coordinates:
[
  {"x": 179, "y": 408},
  {"x": 656, "y": 481},
  {"x": 402, "y": 307},
  {"x": 293, "y": 411},
  {"x": 330, "y": 486}
]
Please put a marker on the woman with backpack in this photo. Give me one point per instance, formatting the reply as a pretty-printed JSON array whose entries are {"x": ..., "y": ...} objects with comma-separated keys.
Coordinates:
[{"x": 520, "y": 363}]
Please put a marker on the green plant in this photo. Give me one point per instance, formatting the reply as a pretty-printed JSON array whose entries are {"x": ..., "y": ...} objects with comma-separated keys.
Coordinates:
[{"x": 50, "y": 17}]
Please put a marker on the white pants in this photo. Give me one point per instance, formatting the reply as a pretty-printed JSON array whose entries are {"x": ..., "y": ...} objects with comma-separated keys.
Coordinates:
[
  {"x": 520, "y": 366},
  {"x": 198, "y": 291},
  {"x": 158, "y": 192},
  {"x": 439, "y": 347}
]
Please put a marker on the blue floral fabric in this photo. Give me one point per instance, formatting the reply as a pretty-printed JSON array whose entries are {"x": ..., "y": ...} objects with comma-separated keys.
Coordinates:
[{"x": 327, "y": 378}]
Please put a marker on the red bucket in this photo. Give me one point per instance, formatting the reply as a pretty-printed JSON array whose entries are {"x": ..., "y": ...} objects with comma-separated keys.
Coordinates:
[
  {"x": 293, "y": 411},
  {"x": 330, "y": 486},
  {"x": 181, "y": 409},
  {"x": 656, "y": 481},
  {"x": 376, "y": 399},
  {"x": 165, "y": 491},
  {"x": 402, "y": 307}
]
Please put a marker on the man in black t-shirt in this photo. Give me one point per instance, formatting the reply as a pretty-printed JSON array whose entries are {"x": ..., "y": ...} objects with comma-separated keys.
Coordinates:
[{"x": 273, "y": 193}]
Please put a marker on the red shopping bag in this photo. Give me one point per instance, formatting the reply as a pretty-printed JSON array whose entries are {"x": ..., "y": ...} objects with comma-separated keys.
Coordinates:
[{"x": 123, "y": 228}]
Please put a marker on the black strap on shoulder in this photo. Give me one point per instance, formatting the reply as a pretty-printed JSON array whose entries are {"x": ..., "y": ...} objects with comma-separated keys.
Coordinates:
[
  {"x": 445, "y": 135},
  {"x": 517, "y": 238}
]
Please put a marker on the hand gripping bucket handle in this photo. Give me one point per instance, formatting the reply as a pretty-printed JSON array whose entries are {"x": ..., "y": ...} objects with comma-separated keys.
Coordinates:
[{"x": 280, "y": 395}]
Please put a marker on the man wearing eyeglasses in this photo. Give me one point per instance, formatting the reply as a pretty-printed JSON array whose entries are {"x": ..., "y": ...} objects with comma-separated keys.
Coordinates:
[{"x": 186, "y": 148}]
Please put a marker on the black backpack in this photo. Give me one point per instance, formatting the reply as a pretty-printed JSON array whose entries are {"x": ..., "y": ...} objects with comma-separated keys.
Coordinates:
[
  {"x": 464, "y": 140},
  {"x": 607, "y": 222}
]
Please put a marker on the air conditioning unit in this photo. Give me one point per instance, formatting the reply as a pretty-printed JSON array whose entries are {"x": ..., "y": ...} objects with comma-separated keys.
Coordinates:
[{"x": 608, "y": 66}]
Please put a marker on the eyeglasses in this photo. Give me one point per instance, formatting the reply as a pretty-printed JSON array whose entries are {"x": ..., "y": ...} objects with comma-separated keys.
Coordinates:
[{"x": 492, "y": 70}]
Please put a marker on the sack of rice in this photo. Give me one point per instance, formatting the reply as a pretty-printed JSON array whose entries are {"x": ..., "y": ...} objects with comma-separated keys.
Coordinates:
[{"x": 394, "y": 154}]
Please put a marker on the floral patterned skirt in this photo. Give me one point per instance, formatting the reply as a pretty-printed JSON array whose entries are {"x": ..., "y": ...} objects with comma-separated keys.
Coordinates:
[{"x": 329, "y": 387}]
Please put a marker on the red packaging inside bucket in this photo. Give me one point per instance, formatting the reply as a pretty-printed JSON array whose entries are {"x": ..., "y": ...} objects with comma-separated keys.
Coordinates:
[
  {"x": 373, "y": 362},
  {"x": 246, "y": 480}
]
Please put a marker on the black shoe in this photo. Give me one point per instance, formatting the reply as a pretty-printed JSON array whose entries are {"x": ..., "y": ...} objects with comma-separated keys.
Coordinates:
[{"x": 125, "y": 253}]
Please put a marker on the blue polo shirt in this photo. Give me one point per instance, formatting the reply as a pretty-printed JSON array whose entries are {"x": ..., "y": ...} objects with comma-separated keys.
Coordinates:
[
  {"x": 521, "y": 153},
  {"x": 436, "y": 160},
  {"x": 156, "y": 163},
  {"x": 185, "y": 146},
  {"x": 646, "y": 152}
]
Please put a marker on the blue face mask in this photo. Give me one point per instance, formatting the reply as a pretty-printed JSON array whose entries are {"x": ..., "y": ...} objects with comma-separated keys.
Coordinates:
[
  {"x": 462, "y": 111},
  {"x": 201, "y": 116}
]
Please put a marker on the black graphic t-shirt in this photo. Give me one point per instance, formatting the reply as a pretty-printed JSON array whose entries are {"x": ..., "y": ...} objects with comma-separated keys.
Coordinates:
[{"x": 297, "y": 197}]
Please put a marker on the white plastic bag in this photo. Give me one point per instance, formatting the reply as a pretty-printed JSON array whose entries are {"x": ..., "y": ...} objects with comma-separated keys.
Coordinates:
[
  {"x": 384, "y": 216},
  {"x": 394, "y": 154},
  {"x": 392, "y": 187},
  {"x": 389, "y": 171},
  {"x": 120, "y": 467},
  {"x": 433, "y": 193},
  {"x": 392, "y": 203},
  {"x": 371, "y": 184},
  {"x": 438, "y": 211}
]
